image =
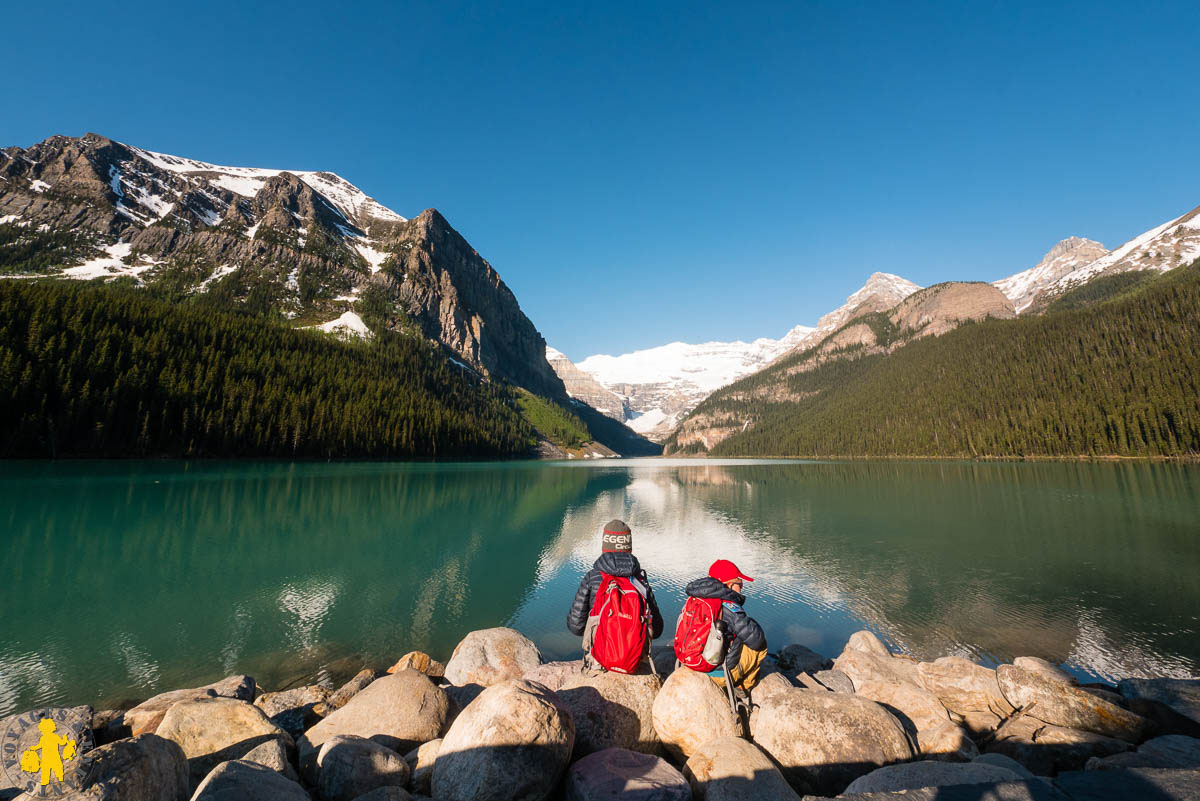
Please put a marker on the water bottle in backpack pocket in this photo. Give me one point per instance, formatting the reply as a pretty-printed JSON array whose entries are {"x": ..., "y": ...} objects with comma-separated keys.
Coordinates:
[
  {"x": 618, "y": 628},
  {"x": 700, "y": 635}
]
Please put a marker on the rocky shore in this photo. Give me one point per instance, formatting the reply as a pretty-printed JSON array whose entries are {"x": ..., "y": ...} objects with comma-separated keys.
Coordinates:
[{"x": 497, "y": 722}]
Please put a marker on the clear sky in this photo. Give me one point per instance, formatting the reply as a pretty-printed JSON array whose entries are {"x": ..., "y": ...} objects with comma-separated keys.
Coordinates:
[{"x": 647, "y": 172}]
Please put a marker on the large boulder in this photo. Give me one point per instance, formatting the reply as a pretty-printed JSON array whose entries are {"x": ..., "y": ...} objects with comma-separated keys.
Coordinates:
[
  {"x": 612, "y": 710},
  {"x": 349, "y": 766},
  {"x": 272, "y": 754},
  {"x": 733, "y": 769},
  {"x": 293, "y": 710},
  {"x": 555, "y": 674},
  {"x": 1065, "y": 705},
  {"x": 340, "y": 697},
  {"x": 215, "y": 730},
  {"x": 774, "y": 683},
  {"x": 420, "y": 662},
  {"x": 914, "y": 775},
  {"x": 1045, "y": 749},
  {"x": 963, "y": 686},
  {"x": 863, "y": 666},
  {"x": 388, "y": 793},
  {"x": 618, "y": 774},
  {"x": 1131, "y": 784},
  {"x": 240, "y": 780},
  {"x": 145, "y": 717},
  {"x": 798, "y": 658},
  {"x": 690, "y": 710},
  {"x": 399, "y": 711},
  {"x": 916, "y": 708},
  {"x": 947, "y": 742},
  {"x": 513, "y": 742},
  {"x": 142, "y": 768},
  {"x": 866, "y": 642},
  {"x": 1048, "y": 670},
  {"x": 421, "y": 761},
  {"x": 1168, "y": 751},
  {"x": 822, "y": 741},
  {"x": 1179, "y": 697},
  {"x": 491, "y": 656}
]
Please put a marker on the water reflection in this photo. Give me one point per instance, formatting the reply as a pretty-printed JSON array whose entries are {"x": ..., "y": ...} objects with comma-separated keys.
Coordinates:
[{"x": 162, "y": 575}]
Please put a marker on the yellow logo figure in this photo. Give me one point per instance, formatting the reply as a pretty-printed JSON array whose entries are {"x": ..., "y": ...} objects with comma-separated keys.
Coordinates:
[{"x": 51, "y": 760}]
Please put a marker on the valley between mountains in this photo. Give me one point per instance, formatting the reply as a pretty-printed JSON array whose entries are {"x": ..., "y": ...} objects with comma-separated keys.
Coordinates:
[{"x": 236, "y": 311}]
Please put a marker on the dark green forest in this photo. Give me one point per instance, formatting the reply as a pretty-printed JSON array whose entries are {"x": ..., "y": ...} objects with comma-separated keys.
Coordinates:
[
  {"x": 96, "y": 370},
  {"x": 1112, "y": 369}
]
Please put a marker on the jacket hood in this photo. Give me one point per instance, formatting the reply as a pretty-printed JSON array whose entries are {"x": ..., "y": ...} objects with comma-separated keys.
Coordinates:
[
  {"x": 618, "y": 563},
  {"x": 709, "y": 587}
]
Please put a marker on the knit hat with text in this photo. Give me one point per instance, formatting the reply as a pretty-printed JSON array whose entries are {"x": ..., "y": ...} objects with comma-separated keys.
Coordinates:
[{"x": 617, "y": 537}]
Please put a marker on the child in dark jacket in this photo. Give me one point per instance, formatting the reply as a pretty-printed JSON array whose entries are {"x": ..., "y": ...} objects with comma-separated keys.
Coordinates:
[
  {"x": 616, "y": 559},
  {"x": 745, "y": 638}
]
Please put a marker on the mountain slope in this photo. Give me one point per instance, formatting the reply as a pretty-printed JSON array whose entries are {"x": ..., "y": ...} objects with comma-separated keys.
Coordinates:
[
  {"x": 1116, "y": 376},
  {"x": 1063, "y": 259}
]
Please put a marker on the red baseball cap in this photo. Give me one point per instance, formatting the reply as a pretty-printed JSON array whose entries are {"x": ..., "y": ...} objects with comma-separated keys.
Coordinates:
[{"x": 723, "y": 570}]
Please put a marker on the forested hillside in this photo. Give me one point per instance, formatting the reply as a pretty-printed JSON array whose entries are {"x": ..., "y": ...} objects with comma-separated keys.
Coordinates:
[
  {"x": 1113, "y": 368},
  {"x": 89, "y": 370}
]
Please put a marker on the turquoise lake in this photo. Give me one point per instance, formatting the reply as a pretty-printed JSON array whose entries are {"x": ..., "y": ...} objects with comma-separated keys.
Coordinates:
[{"x": 123, "y": 579}]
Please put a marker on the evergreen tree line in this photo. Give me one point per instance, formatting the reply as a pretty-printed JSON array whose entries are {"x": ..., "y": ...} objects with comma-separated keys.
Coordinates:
[
  {"x": 1113, "y": 369},
  {"x": 96, "y": 370}
]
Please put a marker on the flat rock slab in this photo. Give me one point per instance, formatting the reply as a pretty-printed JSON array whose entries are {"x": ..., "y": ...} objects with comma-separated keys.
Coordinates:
[
  {"x": 238, "y": 780},
  {"x": 1131, "y": 784},
  {"x": 618, "y": 773},
  {"x": 1035, "y": 790},
  {"x": 733, "y": 769},
  {"x": 1064, "y": 705},
  {"x": 914, "y": 775},
  {"x": 491, "y": 656}
]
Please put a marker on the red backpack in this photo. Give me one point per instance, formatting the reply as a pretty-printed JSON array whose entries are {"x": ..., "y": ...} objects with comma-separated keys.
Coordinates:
[
  {"x": 699, "y": 641},
  {"x": 622, "y": 624}
]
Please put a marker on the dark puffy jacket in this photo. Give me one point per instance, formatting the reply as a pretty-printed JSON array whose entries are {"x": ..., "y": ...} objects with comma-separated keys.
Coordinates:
[
  {"x": 743, "y": 628},
  {"x": 614, "y": 564}
]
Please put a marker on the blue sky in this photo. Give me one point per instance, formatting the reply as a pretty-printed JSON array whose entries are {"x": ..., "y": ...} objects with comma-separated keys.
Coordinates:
[{"x": 644, "y": 172}]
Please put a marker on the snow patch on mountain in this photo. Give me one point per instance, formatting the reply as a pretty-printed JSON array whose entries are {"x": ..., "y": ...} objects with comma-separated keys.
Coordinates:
[{"x": 1068, "y": 256}]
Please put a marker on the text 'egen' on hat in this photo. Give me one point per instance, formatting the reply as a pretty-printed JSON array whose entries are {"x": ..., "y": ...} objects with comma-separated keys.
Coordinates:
[{"x": 616, "y": 537}]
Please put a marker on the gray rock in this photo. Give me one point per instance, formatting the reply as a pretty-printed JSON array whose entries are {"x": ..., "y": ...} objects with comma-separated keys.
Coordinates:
[
  {"x": 552, "y": 675},
  {"x": 1063, "y": 705},
  {"x": 387, "y": 794},
  {"x": 947, "y": 742},
  {"x": 822, "y": 741},
  {"x": 1044, "y": 668},
  {"x": 349, "y": 766},
  {"x": 293, "y": 710},
  {"x": 420, "y": 765},
  {"x": 1152, "y": 784},
  {"x": 689, "y": 711},
  {"x": 491, "y": 656},
  {"x": 914, "y": 775},
  {"x": 460, "y": 698},
  {"x": 618, "y": 773},
  {"x": 399, "y": 711},
  {"x": 863, "y": 666},
  {"x": 1035, "y": 790},
  {"x": 611, "y": 710},
  {"x": 801, "y": 659},
  {"x": 1181, "y": 696},
  {"x": 1168, "y": 751},
  {"x": 1045, "y": 749},
  {"x": 239, "y": 780},
  {"x": 806, "y": 681},
  {"x": 141, "y": 768},
  {"x": 733, "y": 769},
  {"x": 915, "y": 707},
  {"x": 963, "y": 686},
  {"x": 512, "y": 742},
  {"x": 215, "y": 730},
  {"x": 835, "y": 680},
  {"x": 1001, "y": 761},
  {"x": 343, "y": 694},
  {"x": 145, "y": 717},
  {"x": 272, "y": 754},
  {"x": 867, "y": 642}
]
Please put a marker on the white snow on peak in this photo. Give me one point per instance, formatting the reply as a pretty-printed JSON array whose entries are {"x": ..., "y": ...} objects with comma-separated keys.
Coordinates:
[
  {"x": 552, "y": 354},
  {"x": 351, "y": 201},
  {"x": 1064, "y": 258}
]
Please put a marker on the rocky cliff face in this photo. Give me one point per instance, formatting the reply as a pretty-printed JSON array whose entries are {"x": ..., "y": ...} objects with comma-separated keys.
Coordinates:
[
  {"x": 582, "y": 386},
  {"x": 308, "y": 245},
  {"x": 1064, "y": 258}
]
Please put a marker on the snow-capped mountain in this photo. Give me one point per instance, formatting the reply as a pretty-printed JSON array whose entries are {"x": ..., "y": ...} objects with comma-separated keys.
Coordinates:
[
  {"x": 1063, "y": 259},
  {"x": 656, "y": 386},
  {"x": 881, "y": 292}
]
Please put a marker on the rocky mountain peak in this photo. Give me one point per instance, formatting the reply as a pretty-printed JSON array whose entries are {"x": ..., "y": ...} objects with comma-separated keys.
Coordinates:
[
  {"x": 1065, "y": 257},
  {"x": 1070, "y": 244}
]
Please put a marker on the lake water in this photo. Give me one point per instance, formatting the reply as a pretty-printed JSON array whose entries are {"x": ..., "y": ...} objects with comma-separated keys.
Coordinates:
[{"x": 123, "y": 579}]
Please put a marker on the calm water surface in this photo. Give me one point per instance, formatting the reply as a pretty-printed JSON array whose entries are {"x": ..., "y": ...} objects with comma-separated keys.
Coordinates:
[{"x": 123, "y": 579}]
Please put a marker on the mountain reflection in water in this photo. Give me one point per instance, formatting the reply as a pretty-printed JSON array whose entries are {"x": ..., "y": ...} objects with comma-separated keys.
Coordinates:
[{"x": 162, "y": 575}]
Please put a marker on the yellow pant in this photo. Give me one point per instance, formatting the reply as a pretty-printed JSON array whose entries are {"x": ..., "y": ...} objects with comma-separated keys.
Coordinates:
[{"x": 745, "y": 672}]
